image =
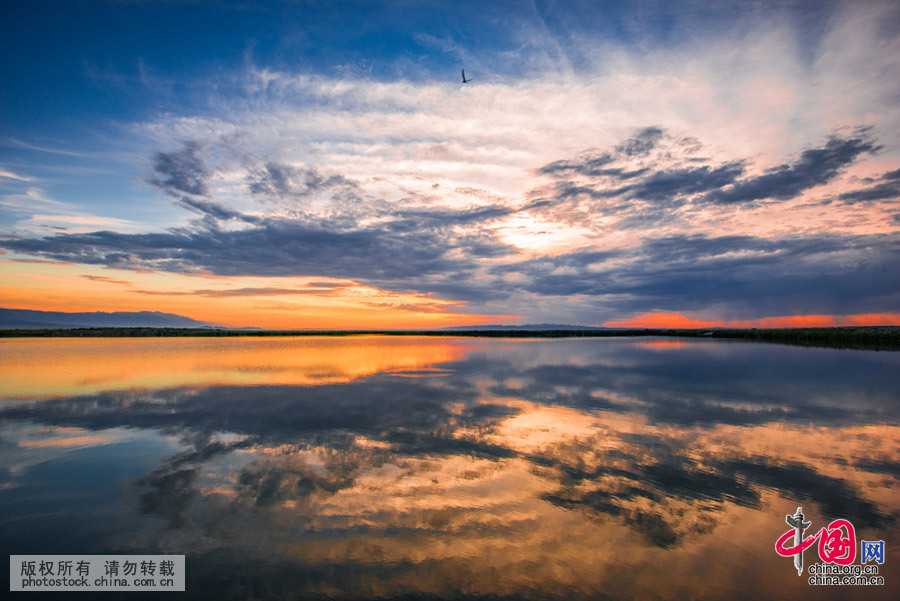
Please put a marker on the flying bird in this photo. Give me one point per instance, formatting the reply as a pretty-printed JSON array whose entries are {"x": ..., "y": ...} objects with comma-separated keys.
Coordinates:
[{"x": 464, "y": 77}]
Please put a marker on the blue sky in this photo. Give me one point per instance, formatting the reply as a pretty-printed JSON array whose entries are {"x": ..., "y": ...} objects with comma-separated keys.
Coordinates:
[{"x": 296, "y": 162}]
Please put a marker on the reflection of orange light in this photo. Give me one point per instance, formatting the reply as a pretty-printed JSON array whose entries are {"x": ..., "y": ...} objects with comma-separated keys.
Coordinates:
[
  {"x": 490, "y": 520},
  {"x": 662, "y": 344},
  {"x": 73, "y": 441},
  {"x": 677, "y": 320},
  {"x": 64, "y": 366}
]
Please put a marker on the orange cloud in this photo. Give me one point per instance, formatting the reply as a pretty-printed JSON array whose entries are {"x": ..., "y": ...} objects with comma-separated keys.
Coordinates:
[
  {"x": 73, "y": 441},
  {"x": 677, "y": 320}
]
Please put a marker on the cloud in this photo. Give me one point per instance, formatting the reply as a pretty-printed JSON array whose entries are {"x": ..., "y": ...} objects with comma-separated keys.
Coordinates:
[
  {"x": 101, "y": 278},
  {"x": 214, "y": 212},
  {"x": 666, "y": 185},
  {"x": 285, "y": 181},
  {"x": 16, "y": 143},
  {"x": 745, "y": 276},
  {"x": 182, "y": 171},
  {"x": 425, "y": 251},
  {"x": 10, "y": 175},
  {"x": 887, "y": 189},
  {"x": 676, "y": 174},
  {"x": 406, "y": 248},
  {"x": 331, "y": 290},
  {"x": 883, "y": 191},
  {"x": 43, "y": 213},
  {"x": 814, "y": 167},
  {"x": 641, "y": 143}
]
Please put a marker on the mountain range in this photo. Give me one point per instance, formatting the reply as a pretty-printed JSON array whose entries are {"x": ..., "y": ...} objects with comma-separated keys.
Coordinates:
[{"x": 28, "y": 319}]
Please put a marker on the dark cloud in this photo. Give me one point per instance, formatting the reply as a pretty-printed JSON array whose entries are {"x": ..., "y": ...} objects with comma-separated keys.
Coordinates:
[
  {"x": 447, "y": 217},
  {"x": 648, "y": 189},
  {"x": 603, "y": 163},
  {"x": 215, "y": 212},
  {"x": 641, "y": 143},
  {"x": 666, "y": 185},
  {"x": 624, "y": 182},
  {"x": 285, "y": 181},
  {"x": 571, "y": 191},
  {"x": 182, "y": 171},
  {"x": 791, "y": 275},
  {"x": 883, "y": 191},
  {"x": 278, "y": 247},
  {"x": 824, "y": 274},
  {"x": 589, "y": 164},
  {"x": 814, "y": 167},
  {"x": 888, "y": 188}
]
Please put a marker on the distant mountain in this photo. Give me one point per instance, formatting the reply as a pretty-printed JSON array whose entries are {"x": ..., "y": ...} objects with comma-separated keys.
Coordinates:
[
  {"x": 530, "y": 326},
  {"x": 26, "y": 319}
]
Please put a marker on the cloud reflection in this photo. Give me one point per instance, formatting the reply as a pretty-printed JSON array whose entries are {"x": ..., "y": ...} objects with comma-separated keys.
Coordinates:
[{"x": 529, "y": 468}]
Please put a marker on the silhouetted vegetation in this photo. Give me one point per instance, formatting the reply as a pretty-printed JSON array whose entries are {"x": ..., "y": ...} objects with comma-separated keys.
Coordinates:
[{"x": 865, "y": 337}]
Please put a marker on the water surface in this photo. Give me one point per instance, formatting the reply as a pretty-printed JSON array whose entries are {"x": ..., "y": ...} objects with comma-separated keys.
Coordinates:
[{"x": 379, "y": 467}]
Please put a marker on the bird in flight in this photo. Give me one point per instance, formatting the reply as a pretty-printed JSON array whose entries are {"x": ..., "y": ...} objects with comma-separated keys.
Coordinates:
[{"x": 464, "y": 77}]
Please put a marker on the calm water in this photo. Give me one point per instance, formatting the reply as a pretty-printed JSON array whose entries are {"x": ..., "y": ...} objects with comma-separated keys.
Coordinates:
[{"x": 450, "y": 468}]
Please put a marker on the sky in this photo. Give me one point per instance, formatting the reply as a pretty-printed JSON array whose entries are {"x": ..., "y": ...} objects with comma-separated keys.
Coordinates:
[{"x": 322, "y": 164}]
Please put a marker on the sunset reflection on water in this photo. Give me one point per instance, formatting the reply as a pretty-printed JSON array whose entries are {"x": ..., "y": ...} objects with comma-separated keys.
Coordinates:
[
  {"x": 505, "y": 469},
  {"x": 40, "y": 368}
]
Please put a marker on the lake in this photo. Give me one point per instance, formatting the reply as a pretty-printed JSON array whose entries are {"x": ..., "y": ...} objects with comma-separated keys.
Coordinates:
[{"x": 451, "y": 468}]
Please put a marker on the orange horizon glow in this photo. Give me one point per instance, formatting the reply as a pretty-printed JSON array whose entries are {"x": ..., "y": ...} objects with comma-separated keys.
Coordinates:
[
  {"x": 677, "y": 320},
  {"x": 273, "y": 303},
  {"x": 303, "y": 303}
]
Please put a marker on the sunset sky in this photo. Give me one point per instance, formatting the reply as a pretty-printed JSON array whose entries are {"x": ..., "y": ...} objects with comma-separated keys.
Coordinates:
[{"x": 321, "y": 164}]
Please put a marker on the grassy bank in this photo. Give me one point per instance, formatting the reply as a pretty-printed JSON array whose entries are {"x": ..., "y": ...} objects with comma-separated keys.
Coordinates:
[{"x": 869, "y": 337}]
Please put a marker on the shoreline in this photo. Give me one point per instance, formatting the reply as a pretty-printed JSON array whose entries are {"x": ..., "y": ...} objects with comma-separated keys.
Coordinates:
[{"x": 858, "y": 337}]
